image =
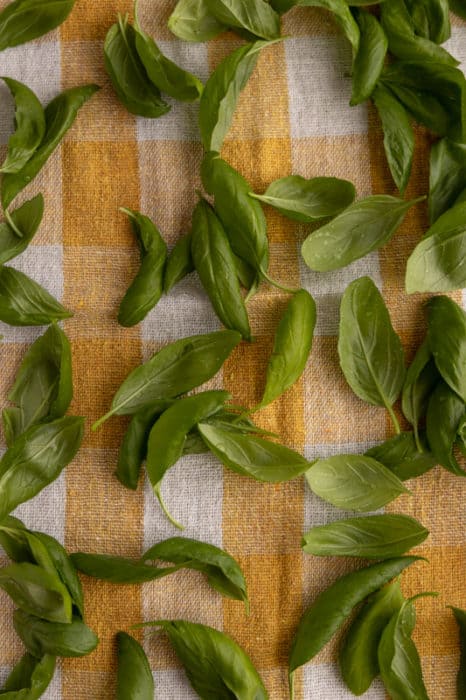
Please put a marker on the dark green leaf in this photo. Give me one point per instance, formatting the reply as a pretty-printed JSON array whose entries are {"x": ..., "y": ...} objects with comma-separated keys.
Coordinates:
[
  {"x": 444, "y": 414},
  {"x": 36, "y": 591},
  {"x": 60, "y": 115},
  {"x": 134, "y": 680},
  {"x": 42, "y": 637},
  {"x": 215, "y": 265},
  {"x": 255, "y": 16},
  {"x": 308, "y": 200},
  {"x": 179, "y": 263},
  {"x": 369, "y": 60},
  {"x": 25, "y": 20},
  {"x": 447, "y": 176},
  {"x": 398, "y": 135},
  {"x": 446, "y": 334},
  {"x": 23, "y": 302},
  {"x": 27, "y": 219},
  {"x": 374, "y": 537},
  {"x": 118, "y": 569},
  {"x": 354, "y": 482},
  {"x": 29, "y": 125},
  {"x": 359, "y": 662},
  {"x": 431, "y": 19},
  {"x": 421, "y": 378},
  {"x": 147, "y": 287},
  {"x": 192, "y": 20},
  {"x": 29, "y": 679},
  {"x": 458, "y": 7},
  {"x": 361, "y": 228},
  {"x": 460, "y": 616},
  {"x": 14, "y": 544},
  {"x": 401, "y": 455}
]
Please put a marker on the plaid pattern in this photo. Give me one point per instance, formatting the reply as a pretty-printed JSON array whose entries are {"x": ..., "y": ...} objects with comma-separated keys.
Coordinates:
[{"x": 293, "y": 118}]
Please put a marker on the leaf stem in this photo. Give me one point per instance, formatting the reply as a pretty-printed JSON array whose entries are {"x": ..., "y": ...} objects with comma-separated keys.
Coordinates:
[
  {"x": 291, "y": 684},
  {"x": 395, "y": 422},
  {"x": 12, "y": 224},
  {"x": 417, "y": 440},
  {"x": 165, "y": 509},
  {"x": 277, "y": 284},
  {"x": 101, "y": 421}
]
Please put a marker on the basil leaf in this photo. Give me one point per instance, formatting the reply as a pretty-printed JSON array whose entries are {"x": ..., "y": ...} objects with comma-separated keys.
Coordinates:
[
  {"x": 446, "y": 334},
  {"x": 458, "y": 7},
  {"x": 354, "y": 482},
  {"x": 334, "y": 605},
  {"x": 343, "y": 17},
  {"x": 42, "y": 637},
  {"x": 252, "y": 456},
  {"x": 308, "y": 200},
  {"x": 292, "y": 347},
  {"x": 359, "y": 662},
  {"x": 25, "y": 20},
  {"x": 398, "y": 135},
  {"x": 192, "y": 20},
  {"x": 134, "y": 680},
  {"x": 434, "y": 93},
  {"x": 223, "y": 572},
  {"x": 26, "y": 219},
  {"x": 147, "y": 287},
  {"x": 421, "y": 378},
  {"x": 221, "y": 93},
  {"x": 23, "y": 302},
  {"x": 369, "y": 60},
  {"x": 29, "y": 125},
  {"x": 118, "y": 569},
  {"x": 174, "y": 370},
  {"x": 36, "y": 591},
  {"x": 13, "y": 542},
  {"x": 460, "y": 617},
  {"x": 444, "y": 414},
  {"x": 127, "y": 73},
  {"x": 36, "y": 459},
  {"x": 29, "y": 679},
  {"x": 179, "y": 264},
  {"x": 255, "y": 16},
  {"x": 215, "y": 265},
  {"x": 43, "y": 388},
  {"x": 371, "y": 354},
  {"x": 403, "y": 41},
  {"x": 373, "y": 537},
  {"x": 447, "y": 176},
  {"x": 431, "y": 19},
  {"x": 399, "y": 662},
  {"x": 361, "y": 228},
  {"x": 60, "y": 115},
  {"x": 215, "y": 665},
  {"x": 400, "y": 454},
  {"x": 437, "y": 263},
  {"x": 164, "y": 73}
]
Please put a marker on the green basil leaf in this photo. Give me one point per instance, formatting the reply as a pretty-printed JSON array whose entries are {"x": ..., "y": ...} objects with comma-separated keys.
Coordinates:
[
  {"x": 23, "y": 302},
  {"x": 399, "y": 662},
  {"x": 371, "y": 354},
  {"x": 369, "y": 60},
  {"x": 36, "y": 459},
  {"x": 246, "y": 275},
  {"x": 400, "y": 454},
  {"x": 56, "y": 638},
  {"x": 460, "y": 617},
  {"x": 13, "y": 542},
  {"x": 43, "y": 388},
  {"x": 174, "y": 370},
  {"x": 147, "y": 287},
  {"x": 398, "y": 135},
  {"x": 361, "y": 228},
  {"x": 221, "y": 93},
  {"x": 373, "y": 537},
  {"x": 343, "y": 17},
  {"x": 282, "y": 6},
  {"x": 127, "y": 73},
  {"x": 215, "y": 665},
  {"x": 36, "y": 591},
  {"x": 25, "y": 20},
  {"x": 359, "y": 662},
  {"x": 458, "y": 7},
  {"x": 334, "y": 605},
  {"x": 292, "y": 347},
  {"x": 118, "y": 569},
  {"x": 421, "y": 378},
  {"x": 306, "y": 200},
  {"x": 27, "y": 219},
  {"x": 215, "y": 265},
  {"x": 354, "y": 482},
  {"x": 192, "y": 20},
  {"x": 29, "y": 125},
  {"x": 431, "y": 19},
  {"x": 437, "y": 263},
  {"x": 60, "y": 115},
  {"x": 434, "y": 93},
  {"x": 447, "y": 177},
  {"x": 253, "y": 456},
  {"x": 255, "y": 16},
  {"x": 179, "y": 264},
  {"x": 223, "y": 572},
  {"x": 29, "y": 679},
  {"x": 403, "y": 41},
  {"x": 164, "y": 73},
  {"x": 134, "y": 680},
  {"x": 446, "y": 334},
  {"x": 444, "y": 414}
]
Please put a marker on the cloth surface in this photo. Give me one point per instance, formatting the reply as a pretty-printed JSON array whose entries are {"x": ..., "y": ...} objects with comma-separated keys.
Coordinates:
[{"x": 293, "y": 117}]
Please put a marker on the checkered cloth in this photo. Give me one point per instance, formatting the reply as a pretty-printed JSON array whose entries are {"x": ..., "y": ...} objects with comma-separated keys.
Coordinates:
[{"x": 293, "y": 117}]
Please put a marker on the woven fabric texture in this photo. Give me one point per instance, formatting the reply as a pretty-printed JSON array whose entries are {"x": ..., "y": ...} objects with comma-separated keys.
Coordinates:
[{"x": 293, "y": 117}]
